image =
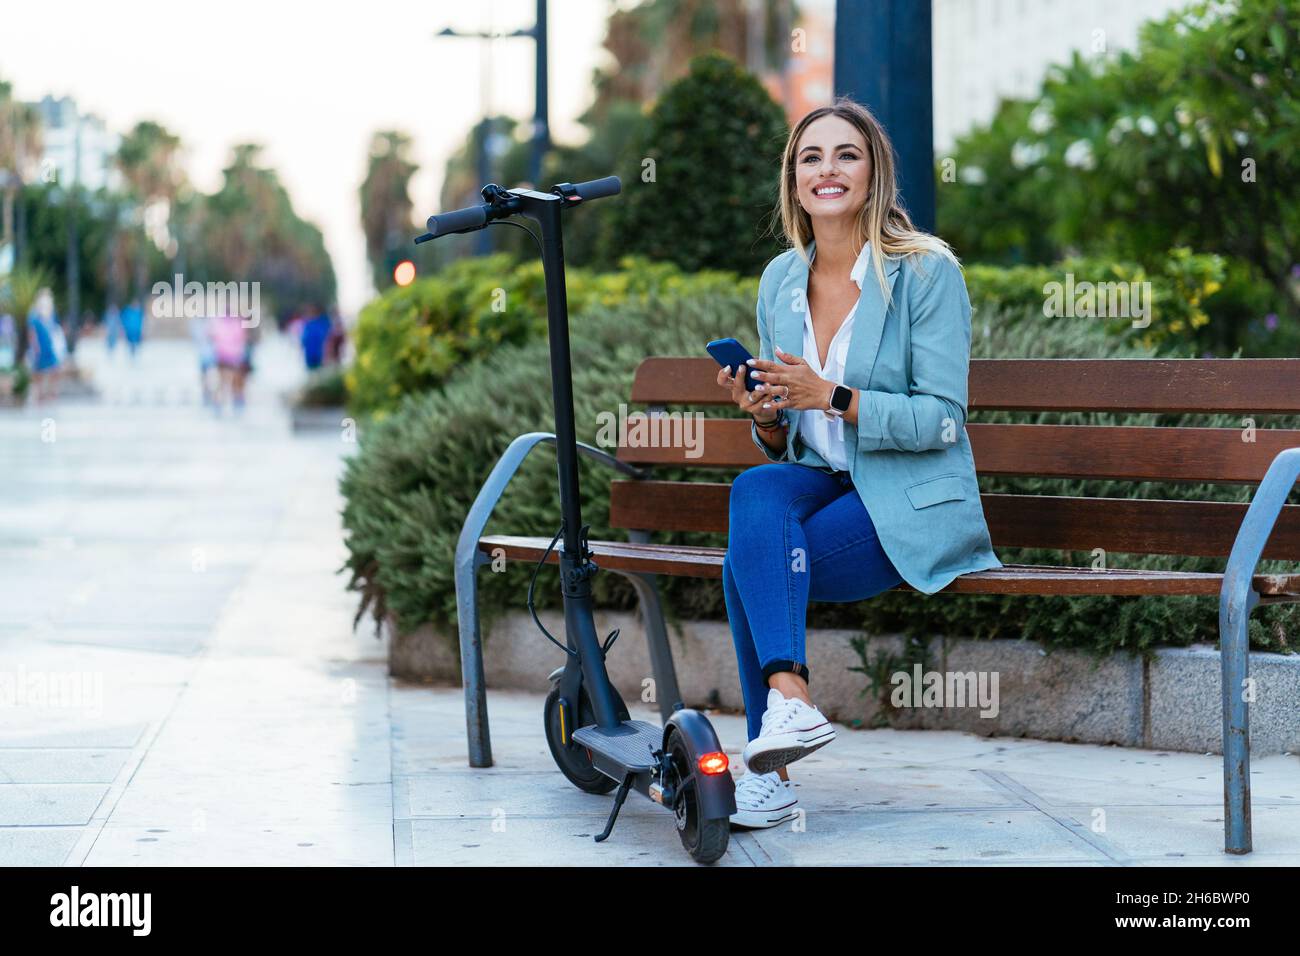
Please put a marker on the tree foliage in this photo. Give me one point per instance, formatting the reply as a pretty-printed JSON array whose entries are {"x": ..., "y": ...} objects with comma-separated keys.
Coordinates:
[
  {"x": 699, "y": 183},
  {"x": 386, "y": 204},
  {"x": 1188, "y": 141},
  {"x": 248, "y": 231}
]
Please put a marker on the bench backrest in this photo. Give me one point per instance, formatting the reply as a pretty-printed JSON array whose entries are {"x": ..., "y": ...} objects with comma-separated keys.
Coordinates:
[{"x": 1244, "y": 387}]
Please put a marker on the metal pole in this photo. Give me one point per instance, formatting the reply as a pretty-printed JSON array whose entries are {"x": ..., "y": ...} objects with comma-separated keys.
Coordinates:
[
  {"x": 74, "y": 258},
  {"x": 883, "y": 59},
  {"x": 541, "y": 117}
]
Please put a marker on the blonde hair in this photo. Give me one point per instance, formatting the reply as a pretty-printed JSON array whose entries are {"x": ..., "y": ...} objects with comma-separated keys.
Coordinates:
[{"x": 882, "y": 220}]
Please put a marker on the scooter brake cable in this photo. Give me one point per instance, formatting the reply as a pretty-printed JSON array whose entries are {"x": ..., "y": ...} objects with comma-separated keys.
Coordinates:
[{"x": 531, "y": 584}]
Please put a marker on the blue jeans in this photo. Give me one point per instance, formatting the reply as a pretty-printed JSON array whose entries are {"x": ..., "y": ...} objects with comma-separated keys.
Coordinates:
[{"x": 796, "y": 534}]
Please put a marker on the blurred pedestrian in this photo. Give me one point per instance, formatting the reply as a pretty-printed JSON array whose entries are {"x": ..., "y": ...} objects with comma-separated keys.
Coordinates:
[
  {"x": 8, "y": 342},
  {"x": 112, "y": 327},
  {"x": 232, "y": 349},
  {"x": 315, "y": 333},
  {"x": 207, "y": 358},
  {"x": 47, "y": 346},
  {"x": 337, "y": 340},
  {"x": 132, "y": 319}
]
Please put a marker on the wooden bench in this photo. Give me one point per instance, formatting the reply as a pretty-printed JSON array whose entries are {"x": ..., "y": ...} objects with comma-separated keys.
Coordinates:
[{"x": 1267, "y": 528}]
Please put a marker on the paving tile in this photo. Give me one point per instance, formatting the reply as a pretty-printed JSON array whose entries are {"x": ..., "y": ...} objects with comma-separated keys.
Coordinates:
[
  {"x": 43, "y": 805},
  {"x": 60, "y": 765},
  {"x": 37, "y": 846}
]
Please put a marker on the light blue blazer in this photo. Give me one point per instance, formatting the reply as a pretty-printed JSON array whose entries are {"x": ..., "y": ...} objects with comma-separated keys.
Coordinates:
[{"x": 909, "y": 455}]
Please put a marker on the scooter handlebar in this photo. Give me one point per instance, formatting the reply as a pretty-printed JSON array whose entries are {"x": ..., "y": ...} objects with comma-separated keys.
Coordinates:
[
  {"x": 476, "y": 217},
  {"x": 599, "y": 188},
  {"x": 458, "y": 220}
]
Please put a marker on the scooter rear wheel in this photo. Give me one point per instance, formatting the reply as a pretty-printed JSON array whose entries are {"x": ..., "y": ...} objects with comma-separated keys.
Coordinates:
[
  {"x": 573, "y": 760},
  {"x": 705, "y": 840}
]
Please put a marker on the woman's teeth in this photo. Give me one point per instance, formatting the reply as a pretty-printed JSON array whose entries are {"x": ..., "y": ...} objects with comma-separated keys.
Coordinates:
[{"x": 829, "y": 191}]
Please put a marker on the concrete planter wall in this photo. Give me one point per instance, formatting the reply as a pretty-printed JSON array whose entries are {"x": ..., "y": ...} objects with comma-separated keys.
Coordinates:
[
  {"x": 304, "y": 418},
  {"x": 1173, "y": 703}
]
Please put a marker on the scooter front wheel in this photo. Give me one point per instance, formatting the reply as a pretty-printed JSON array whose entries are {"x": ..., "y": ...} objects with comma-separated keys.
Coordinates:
[
  {"x": 705, "y": 840},
  {"x": 573, "y": 760}
]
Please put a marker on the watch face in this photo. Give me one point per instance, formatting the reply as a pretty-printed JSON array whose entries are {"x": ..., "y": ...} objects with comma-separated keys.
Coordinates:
[{"x": 841, "y": 398}]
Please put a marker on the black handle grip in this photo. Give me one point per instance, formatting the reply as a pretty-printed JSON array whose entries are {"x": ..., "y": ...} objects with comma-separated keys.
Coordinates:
[
  {"x": 458, "y": 220},
  {"x": 599, "y": 188}
]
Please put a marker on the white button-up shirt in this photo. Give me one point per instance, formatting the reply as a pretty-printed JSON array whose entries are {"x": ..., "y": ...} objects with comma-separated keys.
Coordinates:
[{"x": 821, "y": 432}]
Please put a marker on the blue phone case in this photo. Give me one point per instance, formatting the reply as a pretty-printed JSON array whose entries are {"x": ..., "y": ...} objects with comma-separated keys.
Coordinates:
[{"x": 732, "y": 353}]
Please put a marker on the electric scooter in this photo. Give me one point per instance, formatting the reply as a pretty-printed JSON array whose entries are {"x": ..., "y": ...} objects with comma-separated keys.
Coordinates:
[{"x": 591, "y": 735}]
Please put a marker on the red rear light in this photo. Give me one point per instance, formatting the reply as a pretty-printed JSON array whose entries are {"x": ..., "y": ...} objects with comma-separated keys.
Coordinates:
[{"x": 713, "y": 763}]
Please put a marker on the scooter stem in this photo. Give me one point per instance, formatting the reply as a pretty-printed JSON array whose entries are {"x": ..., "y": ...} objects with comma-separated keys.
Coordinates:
[{"x": 576, "y": 567}]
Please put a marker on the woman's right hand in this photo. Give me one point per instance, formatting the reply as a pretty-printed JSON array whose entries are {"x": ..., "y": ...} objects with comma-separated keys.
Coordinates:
[{"x": 763, "y": 407}]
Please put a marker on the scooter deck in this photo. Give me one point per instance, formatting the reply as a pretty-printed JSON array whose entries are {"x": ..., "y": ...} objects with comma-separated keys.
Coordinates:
[{"x": 631, "y": 744}]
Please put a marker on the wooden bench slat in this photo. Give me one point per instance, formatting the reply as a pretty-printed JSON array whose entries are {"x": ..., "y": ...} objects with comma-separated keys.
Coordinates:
[
  {"x": 1127, "y": 452},
  {"x": 1129, "y": 525},
  {"x": 1205, "y": 386},
  {"x": 685, "y": 561},
  {"x": 1123, "y": 452}
]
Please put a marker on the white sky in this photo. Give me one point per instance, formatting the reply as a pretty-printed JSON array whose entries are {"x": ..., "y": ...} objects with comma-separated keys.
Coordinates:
[{"x": 310, "y": 81}]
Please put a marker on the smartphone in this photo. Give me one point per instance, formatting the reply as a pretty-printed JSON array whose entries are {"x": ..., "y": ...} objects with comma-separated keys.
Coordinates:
[{"x": 732, "y": 353}]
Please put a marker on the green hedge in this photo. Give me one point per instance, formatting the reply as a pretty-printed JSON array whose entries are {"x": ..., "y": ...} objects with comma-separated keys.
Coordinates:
[
  {"x": 411, "y": 339},
  {"x": 409, "y": 488},
  {"x": 325, "y": 388},
  {"x": 1179, "y": 290}
]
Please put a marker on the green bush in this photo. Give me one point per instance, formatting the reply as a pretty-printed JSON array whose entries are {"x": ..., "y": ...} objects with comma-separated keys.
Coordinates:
[
  {"x": 1127, "y": 154},
  {"x": 409, "y": 340},
  {"x": 325, "y": 388},
  {"x": 1179, "y": 288},
  {"x": 410, "y": 487},
  {"x": 715, "y": 139},
  {"x": 418, "y": 470}
]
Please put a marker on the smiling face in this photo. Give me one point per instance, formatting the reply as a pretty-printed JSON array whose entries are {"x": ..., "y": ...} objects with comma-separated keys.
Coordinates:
[{"x": 832, "y": 169}]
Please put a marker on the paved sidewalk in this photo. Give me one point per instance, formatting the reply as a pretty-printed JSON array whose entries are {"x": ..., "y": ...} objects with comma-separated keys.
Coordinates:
[
  {"x": 184, "y": 686},
  {"x": 191, "y": 688},
  {"x": 879, "y": 797}
]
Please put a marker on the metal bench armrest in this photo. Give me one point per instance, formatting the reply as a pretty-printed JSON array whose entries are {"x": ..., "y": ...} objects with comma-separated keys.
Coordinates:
[
  {"x": 1237, "y": 597},
  {"x": 468, "y": 558},
  {"x": 1265, "y": 508},
  {"x": 504, "y": 470}
]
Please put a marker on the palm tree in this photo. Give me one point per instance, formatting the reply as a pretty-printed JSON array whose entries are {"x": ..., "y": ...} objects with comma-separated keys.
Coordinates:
[
  {"x": 386, "y": 202},
  {"x": 20, "y": 144},
  {"x": 148, "y": 158}
]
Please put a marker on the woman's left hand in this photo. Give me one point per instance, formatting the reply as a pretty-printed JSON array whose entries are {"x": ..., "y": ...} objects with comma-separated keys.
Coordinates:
[{"x": 792, "y": 379}]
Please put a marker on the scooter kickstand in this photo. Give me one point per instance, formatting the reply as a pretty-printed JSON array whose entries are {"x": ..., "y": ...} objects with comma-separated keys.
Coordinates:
[{"x": 623, "y": 788}]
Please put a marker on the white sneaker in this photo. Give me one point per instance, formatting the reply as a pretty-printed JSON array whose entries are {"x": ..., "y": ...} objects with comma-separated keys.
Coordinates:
[
  {"x": 791, "y": 729},
  {"x": 764, "y": 800}
]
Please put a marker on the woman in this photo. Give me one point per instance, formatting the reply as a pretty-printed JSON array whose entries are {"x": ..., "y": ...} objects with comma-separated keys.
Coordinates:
[
  {"x": 230, "y": 348},
  {"x": 861, "y": 409},
  {"x": 47, "y": 346}
]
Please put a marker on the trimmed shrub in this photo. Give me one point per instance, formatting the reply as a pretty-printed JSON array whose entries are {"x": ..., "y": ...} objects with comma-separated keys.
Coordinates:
[
  {"x": 418, "y": 470},
  {"x": 1177, "y": 304},
  {"x": 325, "y": 387},
  {"x": 715, "y": 139},
  {"x": 409, "y": 340}
]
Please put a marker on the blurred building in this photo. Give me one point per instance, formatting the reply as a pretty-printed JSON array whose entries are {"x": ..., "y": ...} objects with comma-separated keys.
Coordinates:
[
  {"x": 809, "y": 79},
  {"x": 983, "y": 52},
  {"x": 987, "y": 50},
  {"x": 77, "y": 147}
]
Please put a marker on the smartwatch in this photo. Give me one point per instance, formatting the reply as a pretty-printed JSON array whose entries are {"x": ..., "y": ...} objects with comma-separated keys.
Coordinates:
[{"x": 841, "y": 399}]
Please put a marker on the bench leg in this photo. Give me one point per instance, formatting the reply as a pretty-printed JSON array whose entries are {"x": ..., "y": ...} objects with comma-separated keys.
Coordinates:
[
  {"x": 661, "y": 652},
  {"x": 471, "y": 661},
  {"x": 1234, "y": 654}
]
